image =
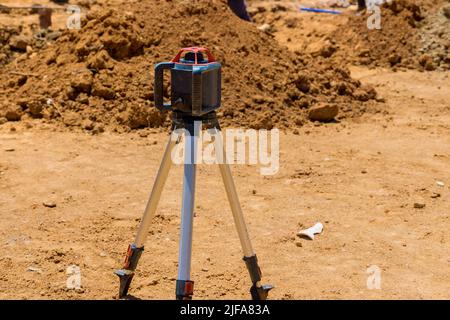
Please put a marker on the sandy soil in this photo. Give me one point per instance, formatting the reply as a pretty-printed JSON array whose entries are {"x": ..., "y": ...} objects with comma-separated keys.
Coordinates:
[{"x": 360, "y": 179}]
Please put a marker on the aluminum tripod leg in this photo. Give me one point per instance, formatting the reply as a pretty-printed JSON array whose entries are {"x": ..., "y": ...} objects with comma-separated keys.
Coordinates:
[
  {"x": 135, "y": 250},
  {"x": 184, "y": 285},
  {"x": 258, "y": 291}
]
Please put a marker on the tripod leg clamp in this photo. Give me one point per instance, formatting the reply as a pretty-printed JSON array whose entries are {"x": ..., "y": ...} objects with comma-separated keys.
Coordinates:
[
  {"x": 126, "y": 274},
  {"x": 184, "y": 289},
  {"x": 258, "y": 291}
]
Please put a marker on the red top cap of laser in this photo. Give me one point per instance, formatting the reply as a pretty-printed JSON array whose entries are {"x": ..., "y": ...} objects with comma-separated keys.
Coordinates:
[{"x": 194, "y": 51}]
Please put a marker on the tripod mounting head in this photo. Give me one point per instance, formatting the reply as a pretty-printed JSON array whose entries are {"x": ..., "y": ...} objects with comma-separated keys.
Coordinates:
[{"x": 195, "y": 83}]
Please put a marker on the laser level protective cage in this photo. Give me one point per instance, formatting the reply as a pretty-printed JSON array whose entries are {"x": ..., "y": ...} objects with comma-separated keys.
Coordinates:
[{"x": 195, "y": 82}]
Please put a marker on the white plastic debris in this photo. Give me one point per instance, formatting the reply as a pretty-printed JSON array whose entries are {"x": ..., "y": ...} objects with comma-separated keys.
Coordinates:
[{"x": 310, "y": 232}]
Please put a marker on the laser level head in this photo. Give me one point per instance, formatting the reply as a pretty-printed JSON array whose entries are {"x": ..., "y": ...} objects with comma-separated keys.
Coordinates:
[{"x": 195, "y": 82}]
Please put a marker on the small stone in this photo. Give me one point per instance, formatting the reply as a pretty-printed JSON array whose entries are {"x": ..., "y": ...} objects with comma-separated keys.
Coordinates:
[
  {"x": 153, "y": 283},
  {"x": 49, "y": 204},
  {"x": 419, "y": 205},
  {"x": 394, "y": 59},
  {"x": 71, "y": 119},
  {"x": 82, "y": 81},
  {"x": 143, "y": 134},
  {"x": 34, "y": 269},
  {"x": 13, "y": 113},
  {"x": 87, "y": 124},
  {"x": 103, "y": 254},
  {"x": 205, "y": 269},
  {"x": 101, "y": 91},
  {"x": 265, "y": 28},
  {"x": 3, "y": 120},
  {"x": 98, "y": 129},
  {"x": 323, "y": 112},
  {"x": 446, "y": 11},
  {"x": 299, "y": 244},
  {"x": 258, "y": 99},
  {"x": 440, "y": 183},
  {"x": 435, "y": 195},
  {"x": 19, "y": 42}
]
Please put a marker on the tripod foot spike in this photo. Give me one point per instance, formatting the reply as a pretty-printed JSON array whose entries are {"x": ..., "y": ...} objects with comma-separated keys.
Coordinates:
[
  {"x": 184, "y": 289},
  {"x": 126, "y": 274},
  {"x": 261, "y": 292},
  {"x": 258, "y": 291},
  {"x": 125, "y": 277}
]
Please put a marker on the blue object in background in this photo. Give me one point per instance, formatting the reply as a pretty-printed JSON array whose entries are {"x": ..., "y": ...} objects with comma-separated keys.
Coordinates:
[
  {"x": 320, "y": 10},
  {"x": 239, "y": 8}
]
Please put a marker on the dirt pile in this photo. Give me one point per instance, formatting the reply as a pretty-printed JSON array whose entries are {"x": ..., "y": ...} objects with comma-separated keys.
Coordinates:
[
  {"x": 102, "y": 75},
  {"x": 413, "y": 34}
]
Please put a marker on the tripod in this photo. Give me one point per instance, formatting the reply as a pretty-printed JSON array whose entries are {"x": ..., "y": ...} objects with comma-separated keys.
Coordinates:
[{"x": 184, "y": 285}]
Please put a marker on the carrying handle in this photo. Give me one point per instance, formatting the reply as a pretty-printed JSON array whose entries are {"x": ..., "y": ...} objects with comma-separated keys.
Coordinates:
[
  {"x": 159, "y": 85},
  {"x": 194, "y": 50}
]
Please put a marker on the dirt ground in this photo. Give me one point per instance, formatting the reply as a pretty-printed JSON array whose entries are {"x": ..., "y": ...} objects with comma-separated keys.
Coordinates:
[{"x": 362, "y": 178}]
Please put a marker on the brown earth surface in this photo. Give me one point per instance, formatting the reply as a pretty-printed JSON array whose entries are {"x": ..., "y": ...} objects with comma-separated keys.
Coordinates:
[
  {"x": 101, "y": 76},
  {"x": 413, "y": 34},
  {"x": 378, "y": 181}
]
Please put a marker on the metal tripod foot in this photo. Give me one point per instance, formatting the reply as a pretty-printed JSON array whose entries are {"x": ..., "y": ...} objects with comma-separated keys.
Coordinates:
[
  {"x": 126, "y": 274},
  {"x": 184, "y": 289},
  {"x": 258, "y": 291}
]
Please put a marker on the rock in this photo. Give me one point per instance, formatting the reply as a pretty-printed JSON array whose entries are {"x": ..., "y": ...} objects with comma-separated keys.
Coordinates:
[
  {"x": 153, "y": 283},
  {"x": 35, "y": 108},
  {"x": 101, "y": 91},
  {"x": 258, "y": 99},
  {"x": 265, "y": 28},
  {"x": 82, "y": 81},
  {"x": 34, "y": 269},
  {"x": 446, "y": 11},
  {"x": 3, "y": 120},
  {"x": 98, "y": 129},
  {"x": 427, "y": 62},
  {"x": 10, "y": 149},
  {"x": 49, "y": 204},
  {"x": 323, "y": 112},
  {"x": 327, "y": 50},
  {"x": 13, "y": 113},
  {"x": 394, "y": 59},
  {"x": 440, "y": 184},
  {"x": 20, "y": 42},
  {"x": 418, "y": 205},
  {"x": 302, "y": 83},
  {"x": 71, "y": 119},
  {"x": 435, "y": 195},
  {"x": 99, "y": 61},
  {"x": 53, "y": 35},
  {"x": 87, "y": 124}
]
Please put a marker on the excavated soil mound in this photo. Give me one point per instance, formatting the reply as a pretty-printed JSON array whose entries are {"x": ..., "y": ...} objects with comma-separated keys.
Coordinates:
[
  {"x": 102, "y": 75},
  {"x": 413, "y": 34}
]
